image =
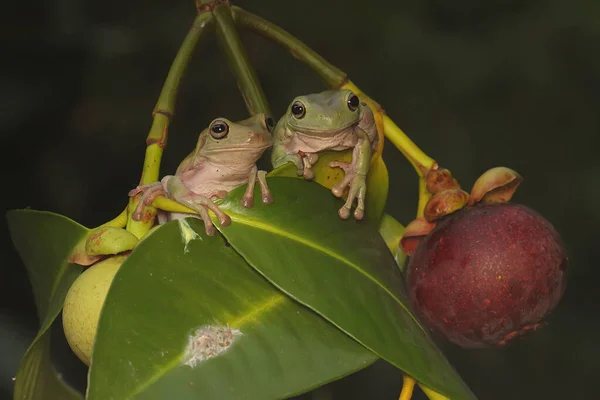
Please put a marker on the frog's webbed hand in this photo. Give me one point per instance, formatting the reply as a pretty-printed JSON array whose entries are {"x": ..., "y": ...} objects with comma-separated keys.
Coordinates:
[
  {"x": 201, "y": 204},
  {"x": 355, "y": 177},
  {"x": 150, "y": 192},
  {"x": 308, "y": 160},
  {"x": 248, "y": 199}
]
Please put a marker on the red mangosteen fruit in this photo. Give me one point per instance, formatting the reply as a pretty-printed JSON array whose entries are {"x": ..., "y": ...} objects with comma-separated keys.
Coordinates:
[{"x": 487, "y": 272}]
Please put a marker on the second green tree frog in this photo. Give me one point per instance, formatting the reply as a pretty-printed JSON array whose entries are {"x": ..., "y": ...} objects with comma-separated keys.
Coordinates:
[
  {"x": 224, "y": 158},
  {"x": 330, "y": 120}
]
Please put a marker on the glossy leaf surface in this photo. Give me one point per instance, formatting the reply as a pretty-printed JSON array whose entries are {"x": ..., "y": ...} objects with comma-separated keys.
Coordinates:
[
  {"x": 44, "y": 241},
  {"x": 178, "y": 280},
  {"x": 341, "y": 269}
]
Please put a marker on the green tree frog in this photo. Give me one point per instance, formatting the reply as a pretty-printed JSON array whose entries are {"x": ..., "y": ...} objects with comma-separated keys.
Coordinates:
[
  {"x": 330, "y": 120},
  {"x": 224, "y": 158}
]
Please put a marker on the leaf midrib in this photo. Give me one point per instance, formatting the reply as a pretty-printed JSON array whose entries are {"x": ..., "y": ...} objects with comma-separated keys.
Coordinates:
[
  {"x": 271, "y": 303},
  {"x": 241, "y": 218}
]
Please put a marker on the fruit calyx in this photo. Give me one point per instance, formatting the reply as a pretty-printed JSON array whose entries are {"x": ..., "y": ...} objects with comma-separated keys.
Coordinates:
[{"x": 496, "y": 185}]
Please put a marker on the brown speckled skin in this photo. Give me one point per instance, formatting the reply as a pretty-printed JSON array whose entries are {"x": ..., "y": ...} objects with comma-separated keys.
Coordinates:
[{"x": 487, "y": 273}]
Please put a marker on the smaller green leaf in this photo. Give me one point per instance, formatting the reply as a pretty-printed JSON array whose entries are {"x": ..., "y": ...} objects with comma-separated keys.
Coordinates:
[
  {"x": 36, "y": 377},
  {"x": 377, "y": 179},
  {"x": 44, "y": 241}
]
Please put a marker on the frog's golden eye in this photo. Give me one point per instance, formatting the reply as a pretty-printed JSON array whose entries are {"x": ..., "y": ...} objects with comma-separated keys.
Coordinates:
[
  {"x": 269, "y": 123},
  {"x": 219, "y": 129},
  {"x": 298, "y": 110},
  {"x": 353, "y": 102}
]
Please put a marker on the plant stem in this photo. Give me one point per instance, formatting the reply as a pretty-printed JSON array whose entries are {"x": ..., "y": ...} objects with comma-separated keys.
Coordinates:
[
  {"x": 332, "y": 76},
  {"x": 432, "y": 394},
  {"x": 118, "y": 222},
  {"x": 162, "y": 114},
  {"x": 239, "y": 63},
  {"x": 408, "y": 386}
]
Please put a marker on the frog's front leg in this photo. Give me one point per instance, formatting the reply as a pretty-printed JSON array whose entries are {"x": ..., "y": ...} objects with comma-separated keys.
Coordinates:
[
  {"x": 355, "y": 177},
  {"x": 201, "y": 204},
  {"x": 248, "y": 199},
  {"x": 267, "y": 197},
  {"x": 280, "y": 156}
]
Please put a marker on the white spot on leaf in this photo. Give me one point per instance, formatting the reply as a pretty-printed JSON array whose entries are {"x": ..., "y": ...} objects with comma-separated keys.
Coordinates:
[
  {"x": 187, "y": 234},
  {"x": 207, "y": 342}
]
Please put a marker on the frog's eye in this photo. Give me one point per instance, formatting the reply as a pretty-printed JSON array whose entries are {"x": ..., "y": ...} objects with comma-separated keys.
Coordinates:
[
  {"x": 219, "y": 129},
  {"x": 353, "y": 102},
  {"x": 270, "y": 123},
  {"x": 298, "y": 110}
]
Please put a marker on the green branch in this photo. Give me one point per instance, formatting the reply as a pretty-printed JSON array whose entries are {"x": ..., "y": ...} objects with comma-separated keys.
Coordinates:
[
  {"x": 239, "y": 63},
  {"x": 332, "y": 76},
  {"x": 161, "y": 117}
]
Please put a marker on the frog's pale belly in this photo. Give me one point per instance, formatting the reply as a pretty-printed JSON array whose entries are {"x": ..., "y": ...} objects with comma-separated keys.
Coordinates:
[
  {"x": 214, "y": 178},
  {"x": 208, "y": 181},
  {"x": 342, "y": 140}
]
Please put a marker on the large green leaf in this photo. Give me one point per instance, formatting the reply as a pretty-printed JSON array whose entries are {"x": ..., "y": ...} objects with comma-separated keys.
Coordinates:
[
  {"x": 377, "y": 179},
  {"x": 44, "y": 241},
  {"x": 178, "y": 280},
  {"x": 342, "y": 270}
]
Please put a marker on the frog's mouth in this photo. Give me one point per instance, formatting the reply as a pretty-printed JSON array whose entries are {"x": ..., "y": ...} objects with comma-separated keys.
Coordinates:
[
  {"x": 320, "y": 131},
  {"x": 248, "y": 146}
]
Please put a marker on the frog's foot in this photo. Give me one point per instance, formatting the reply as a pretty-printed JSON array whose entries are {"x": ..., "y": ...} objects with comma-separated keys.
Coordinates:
[
  {"x": 139, "y": 189},
  {"x": 201, "y": 204},
  {"x": 150, "y": 192},
  {"x": 308, "y": 160},
  {"x": 307, "y": 171},
  {"x": 357, "y": 190}
]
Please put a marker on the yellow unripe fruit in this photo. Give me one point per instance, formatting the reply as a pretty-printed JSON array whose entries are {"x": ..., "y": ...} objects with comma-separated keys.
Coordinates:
[{"x": 83, "y": 304}]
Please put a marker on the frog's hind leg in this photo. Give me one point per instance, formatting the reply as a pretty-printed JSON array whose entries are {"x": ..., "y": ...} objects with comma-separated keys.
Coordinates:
[
  {"x": 150, "y": 192},
  {"x": 199, "y": 203}
]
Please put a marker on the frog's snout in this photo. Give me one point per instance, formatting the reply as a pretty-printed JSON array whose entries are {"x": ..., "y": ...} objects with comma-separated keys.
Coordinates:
[{"x": 259, "y": 137}]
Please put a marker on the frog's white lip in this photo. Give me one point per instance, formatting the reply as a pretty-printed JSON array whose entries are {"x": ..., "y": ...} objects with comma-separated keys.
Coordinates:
[
  {"x": 242, "y": 147},
  {"x": 328, "y": 131}
]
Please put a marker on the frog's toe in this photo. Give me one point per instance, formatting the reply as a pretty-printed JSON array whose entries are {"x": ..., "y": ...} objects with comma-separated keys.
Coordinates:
[
  {"x": 339, "y": 164},
  {"x": 209, "y": 229},
  {"x": 359, "y": 213},
  {"x": 338, "y": 190},
  {"x": 247, "y": 201},
  {"x": 267, "y": 198},
  {"x": 344, "y": 212},
  {"x": 308, "y": 174},
  {"x": 135, "y": 191},
  {"x": 224, "y": 220}
]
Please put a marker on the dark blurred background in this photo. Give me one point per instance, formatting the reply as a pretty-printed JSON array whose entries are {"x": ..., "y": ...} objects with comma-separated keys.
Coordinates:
[{"x": 475, "y": 84}]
